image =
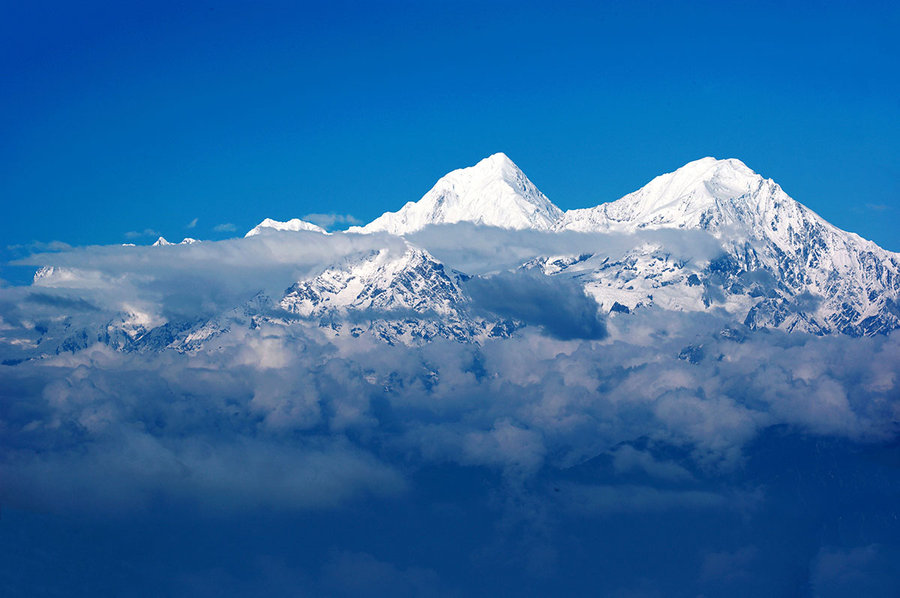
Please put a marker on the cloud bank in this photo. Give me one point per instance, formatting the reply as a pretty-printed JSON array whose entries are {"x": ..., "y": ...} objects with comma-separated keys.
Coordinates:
[{"x": 577, "y": 420}]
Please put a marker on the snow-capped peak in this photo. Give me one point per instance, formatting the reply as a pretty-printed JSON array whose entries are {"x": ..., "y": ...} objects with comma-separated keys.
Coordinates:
[
  {"x": 162, "y": 242},
  {"x": 494, "y": 192},
  {"x": 384, "y": 280},
  {"x": 294, "y": 224},
  {"x": 762, "y": 229},
  {"x": 706, "y": 193},
  {"x": 404, "y": 297}
]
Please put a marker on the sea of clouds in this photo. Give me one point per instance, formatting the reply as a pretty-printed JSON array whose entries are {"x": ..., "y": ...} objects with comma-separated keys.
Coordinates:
[{"x": 582, "y": 437}]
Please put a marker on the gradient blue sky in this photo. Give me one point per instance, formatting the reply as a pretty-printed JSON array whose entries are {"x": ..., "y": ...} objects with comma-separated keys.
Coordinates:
[{"x": 121, "y": 117}]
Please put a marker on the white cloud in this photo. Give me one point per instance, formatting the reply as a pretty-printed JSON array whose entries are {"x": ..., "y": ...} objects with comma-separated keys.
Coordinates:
[
  {"x": 275, "y": 405},
  {"x": 41, "y": 246},
  {"x": 328, "y": 220},
  {"x": 147, "y": 232}
]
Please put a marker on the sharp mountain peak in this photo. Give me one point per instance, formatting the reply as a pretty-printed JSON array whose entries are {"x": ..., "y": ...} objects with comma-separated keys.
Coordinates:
[{"x": 493, "y": 192}]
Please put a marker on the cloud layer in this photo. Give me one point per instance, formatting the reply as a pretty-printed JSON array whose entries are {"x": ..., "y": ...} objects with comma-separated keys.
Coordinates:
[{"x": 578, "y": 426}]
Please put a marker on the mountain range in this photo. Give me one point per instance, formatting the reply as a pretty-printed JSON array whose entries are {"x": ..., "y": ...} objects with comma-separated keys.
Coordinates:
[
  {"x": 776, "y": 264},
  {"x": 781, "y": 265}
]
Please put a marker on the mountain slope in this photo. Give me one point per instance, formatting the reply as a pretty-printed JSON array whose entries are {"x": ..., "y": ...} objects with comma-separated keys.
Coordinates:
[
  {"x": 754, "y": 256},
  {"x": 494, "y": 192},
  {"x": 403, "y": 298},
  {"x": 803, "y": 270}
]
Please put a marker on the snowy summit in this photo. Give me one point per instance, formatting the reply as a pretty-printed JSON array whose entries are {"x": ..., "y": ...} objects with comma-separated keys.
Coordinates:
[
  {"x": 294, "y": 224},
  {"x": 494, "y": 192}
]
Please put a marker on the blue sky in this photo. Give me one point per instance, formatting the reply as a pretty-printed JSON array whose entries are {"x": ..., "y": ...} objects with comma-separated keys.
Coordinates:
[
  {"x": 683, "y": 454},
  {"x": 133, "y": 117}
]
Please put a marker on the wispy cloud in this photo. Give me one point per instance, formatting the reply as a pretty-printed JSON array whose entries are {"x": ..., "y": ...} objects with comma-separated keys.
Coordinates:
[
  {"x": 147, "y": 232},
  {"x": 192, "y": 223},
  {"x": 878, "y": 207},
  {"x": 331, "y": 219},
  {"x": 40, "y": 246},
  {"x": 225, "y": 227}
]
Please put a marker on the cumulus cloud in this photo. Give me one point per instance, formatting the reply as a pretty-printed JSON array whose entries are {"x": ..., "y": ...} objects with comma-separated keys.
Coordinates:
[
  {"x": 560, "y": 307},
  {"x": 252, "y": 421},
  {"x": 577, "y": 417},
  {"x": 576, "y": 426}
]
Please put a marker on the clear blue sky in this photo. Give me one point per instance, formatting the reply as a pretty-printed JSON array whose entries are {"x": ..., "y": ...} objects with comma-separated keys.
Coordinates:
[{"x": 118, "y": 117}]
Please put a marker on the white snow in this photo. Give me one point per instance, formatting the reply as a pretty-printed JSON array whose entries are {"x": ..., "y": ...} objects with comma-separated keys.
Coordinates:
[
  {"x": 781, "y": 265},
  {"x": 494, "y": 192},
  {"x": 162, "y": 242},
  {"x": 756, "y": 220},
  {"x": 294, "y": 224},
  {"x": 370, "y": 282}
]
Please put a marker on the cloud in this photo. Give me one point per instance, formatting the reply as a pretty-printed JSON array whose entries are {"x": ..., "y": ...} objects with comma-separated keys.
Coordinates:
[
  {"x": 343, "y": 573},
  {"x": 566, "y": 459},
  {"x": 878, "y": 207},
  {"x": 105, "y": 462},
  {"x": 558, "y": 306},
  {"x": 147, "y": 232},
  {"x": 226, "y": 227},
  {"x": 628, "y": 459},
  {"x": 68, "y": 304},
  {"x": 41, "y": 246},
  {"x": 263, "y": 408},
  {"x": 192, "y": 223},
  {"x": 477, "y": 249},
  {"x": 605, "y": 500},
  {"x": 328, "y": 220},
  {"x": 356, "y": 574},
  {"x": 729, "y": 566},
  {"x": 869, "y": 569}
]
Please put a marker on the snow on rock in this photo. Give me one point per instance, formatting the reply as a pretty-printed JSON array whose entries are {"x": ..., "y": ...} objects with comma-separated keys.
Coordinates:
[
  {"x": 707, "y": 194},
  {"x": 799, "y": 271},
  {"x": 780, "y": 266},
  {"x": 404, "y": 298},
  {"x": 494, "y": 192},
  {"x": 162, "y": 242}
]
